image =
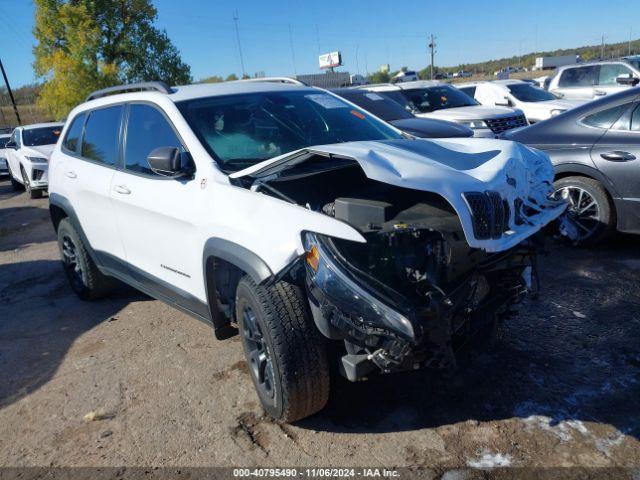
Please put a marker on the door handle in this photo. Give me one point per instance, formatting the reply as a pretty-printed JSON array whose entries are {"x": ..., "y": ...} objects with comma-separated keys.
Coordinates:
[
  {"x": 618, "y": 156},
  {"x": 122, "y": 189},
  {"x": 71, "y": 174},
  {"x": 599, "y": 92}
]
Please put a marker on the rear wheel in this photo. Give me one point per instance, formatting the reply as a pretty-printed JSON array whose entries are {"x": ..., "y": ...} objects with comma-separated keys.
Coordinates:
[
  {"x": 83, "y": 274},
  {"x": 590, "y": 209},
  {"x": 27, "y": 185},
  {"x": 286, "y": 353}
]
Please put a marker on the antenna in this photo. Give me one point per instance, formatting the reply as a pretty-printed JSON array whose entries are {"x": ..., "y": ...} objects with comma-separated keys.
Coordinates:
[{"x": 235, "y": 20}]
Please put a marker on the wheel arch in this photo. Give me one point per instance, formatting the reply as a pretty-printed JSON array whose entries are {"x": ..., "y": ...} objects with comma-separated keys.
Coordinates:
[
  {"x": 224, "y": 264},
  {"x": 565, "y": 170}
]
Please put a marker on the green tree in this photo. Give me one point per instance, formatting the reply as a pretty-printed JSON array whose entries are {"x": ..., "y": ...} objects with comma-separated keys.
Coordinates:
[
  {"x": 379, "y": 77},
  {"x": 213, "y": 79},
  {"x": 83, "y": 45},
  {"x": 231, "y": 77}
]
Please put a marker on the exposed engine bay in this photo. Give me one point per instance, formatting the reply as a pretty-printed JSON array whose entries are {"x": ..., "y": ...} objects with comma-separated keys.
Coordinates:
[{"x": 416, "y": 291}]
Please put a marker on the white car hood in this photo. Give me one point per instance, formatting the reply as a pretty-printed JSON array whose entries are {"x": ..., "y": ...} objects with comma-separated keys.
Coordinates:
[
  {"x": 450, "y": 167},
  {"x": 39, "y": 150},
  {"x": 475, "y": 112}
]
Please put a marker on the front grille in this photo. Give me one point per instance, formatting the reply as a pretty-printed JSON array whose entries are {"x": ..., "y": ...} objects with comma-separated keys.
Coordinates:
[
  {"x": 499, "y": 125},
  {"x": 37, "y": 174},
  {"x": 490, "y": 214}
]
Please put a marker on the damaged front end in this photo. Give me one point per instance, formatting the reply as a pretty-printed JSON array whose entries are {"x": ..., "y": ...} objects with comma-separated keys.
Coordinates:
[{"x": 440, "y": 265}]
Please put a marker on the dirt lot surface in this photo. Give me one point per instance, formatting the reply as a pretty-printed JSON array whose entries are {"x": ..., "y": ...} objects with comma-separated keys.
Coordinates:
[{"x": 562, "y": 387}]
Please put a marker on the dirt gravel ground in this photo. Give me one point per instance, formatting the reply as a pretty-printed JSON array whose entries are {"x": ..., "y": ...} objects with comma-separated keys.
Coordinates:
[{"x": 561, "y": 388}]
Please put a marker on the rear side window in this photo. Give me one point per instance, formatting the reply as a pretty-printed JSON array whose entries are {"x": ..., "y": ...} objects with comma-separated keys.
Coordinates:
[
  {"x": 147, "y": 129},
  {"x": 74, "y": 133},
  {"x": 579, "y": 77},
  {"x": 605, "y": 118},
  {"x": 100, "y": 141}
]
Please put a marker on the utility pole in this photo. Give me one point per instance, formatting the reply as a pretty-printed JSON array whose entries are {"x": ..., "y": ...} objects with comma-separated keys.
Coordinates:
[
  {"x": 630, "y": 33},
  {"x": 13, "y": 101},
  {"x": 235, "y": 19},
  {"x": 602, "y": 48},
  {"x": 432, "y": 48},
  {"x": 293, "y": 53}
]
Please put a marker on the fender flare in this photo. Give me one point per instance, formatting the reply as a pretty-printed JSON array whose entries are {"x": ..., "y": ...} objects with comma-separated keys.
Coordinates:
[
  {"x": 238, "y": 256},
  {"x": 581, "y": 169}
]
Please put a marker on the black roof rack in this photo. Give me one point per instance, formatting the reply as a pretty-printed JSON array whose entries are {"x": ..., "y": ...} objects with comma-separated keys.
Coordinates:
[{"x": 132, "y": 87}]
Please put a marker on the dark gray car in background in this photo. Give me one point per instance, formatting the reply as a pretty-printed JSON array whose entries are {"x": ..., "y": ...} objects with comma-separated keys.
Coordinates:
[
  {"x": 392, "y": 112},
  {"x": 595, "y": 150}
]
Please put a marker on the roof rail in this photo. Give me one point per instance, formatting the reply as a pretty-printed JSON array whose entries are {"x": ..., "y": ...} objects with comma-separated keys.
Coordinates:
[
  {"x": 157, "y": 86},
  {"x": 289, "y": 80}
]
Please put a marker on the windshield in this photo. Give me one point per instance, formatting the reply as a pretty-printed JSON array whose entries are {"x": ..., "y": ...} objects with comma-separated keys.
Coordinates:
[
  {"x": 439, "y": 97},
  {"x": 380, "y": 106},
  {"x": 526, "y": 92},
  {"x": 33, "y": 137},
  {"x": 242, "y": 130}
]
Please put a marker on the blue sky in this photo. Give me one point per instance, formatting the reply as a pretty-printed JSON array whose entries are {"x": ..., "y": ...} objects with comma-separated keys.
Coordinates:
[{"x": 369, "y": 33}]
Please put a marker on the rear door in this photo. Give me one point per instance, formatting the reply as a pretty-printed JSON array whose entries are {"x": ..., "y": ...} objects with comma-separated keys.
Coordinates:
[
  {"x": 617, "y": 153},
  {"x": 157, "y": 214},
  {"x": 89, "y": 167}
]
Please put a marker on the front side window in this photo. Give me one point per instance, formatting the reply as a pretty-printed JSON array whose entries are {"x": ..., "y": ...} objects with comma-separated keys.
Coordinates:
[
  {"x": 147, "y": 129},
  {"x": 635, "y": 119},
  {"x": 34, "y": 137},
  {"x": 439, "y": 97},
  {"x": 100, "y": 141},
  {"x": 242, "y": 130},
  {"x": 15, "y": 138},
  {"x": 609, "y": 73},
  {"x": 579, "y": 77},
  {"x": 74, "y": 133},
  {"x": 526, "y": 92},
  {"x": 605, "y": 118}
]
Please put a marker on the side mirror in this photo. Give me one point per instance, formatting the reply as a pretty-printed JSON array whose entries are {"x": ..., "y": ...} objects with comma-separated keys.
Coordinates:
[
  {"x": 11, "y": 145},
  {"x": 168, "y": 162},
  {"x": 629, "y": 80},
  {"x": 503, "y": 102}
]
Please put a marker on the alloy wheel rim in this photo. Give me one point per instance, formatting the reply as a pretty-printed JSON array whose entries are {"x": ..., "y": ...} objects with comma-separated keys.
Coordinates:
[
  {"x": 583, "y": 209},
  {"x": 260, "y": 362},
  {"x": 71, "y": 264}
]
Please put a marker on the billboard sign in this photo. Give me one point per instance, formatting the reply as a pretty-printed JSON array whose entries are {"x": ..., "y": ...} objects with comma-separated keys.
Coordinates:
[{"x": 330, "y": 60}]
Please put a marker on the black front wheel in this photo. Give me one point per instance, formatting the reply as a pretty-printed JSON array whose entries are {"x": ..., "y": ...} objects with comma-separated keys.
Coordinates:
[
  {"x": 17, "y": 186},
  {"x": 285, "y": 351},
  {"x": 27, "y": 185}
]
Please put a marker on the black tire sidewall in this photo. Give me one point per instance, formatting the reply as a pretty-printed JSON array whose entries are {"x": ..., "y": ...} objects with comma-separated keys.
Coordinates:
[
  {"x": 66, "y": 229},
  {"x": 246, "y": 296}
]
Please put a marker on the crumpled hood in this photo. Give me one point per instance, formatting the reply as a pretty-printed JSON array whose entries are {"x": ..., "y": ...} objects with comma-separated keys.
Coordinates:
[{"x": 450, "y": 167}]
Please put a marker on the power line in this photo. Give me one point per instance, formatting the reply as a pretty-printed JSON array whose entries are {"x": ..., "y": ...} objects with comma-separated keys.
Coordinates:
[
  {"x": 235, "y": 19},
  {"x": 13, "y": 101},
  {"x": 293, "y": 53}
]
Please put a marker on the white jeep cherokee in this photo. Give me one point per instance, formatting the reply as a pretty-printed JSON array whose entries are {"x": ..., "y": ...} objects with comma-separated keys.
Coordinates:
[{"x": 300, "y": 220}]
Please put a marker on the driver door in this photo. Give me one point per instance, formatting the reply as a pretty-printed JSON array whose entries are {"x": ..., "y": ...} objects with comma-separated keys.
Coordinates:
[{"x": 156, "y": 214}]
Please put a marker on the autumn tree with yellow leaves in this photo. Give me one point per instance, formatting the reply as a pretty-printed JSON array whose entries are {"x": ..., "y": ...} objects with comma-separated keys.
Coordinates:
[{"x": 84, "y": 45}]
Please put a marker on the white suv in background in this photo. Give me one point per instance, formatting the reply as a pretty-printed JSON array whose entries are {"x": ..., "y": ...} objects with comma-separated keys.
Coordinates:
[
  {"x": 431, "y": 99},
  {"x": 593, "y": 80},
  {"x": 28, "y": 152},
  {"x": 536, "y": 103},
  {"x": 297, "y": 219}
]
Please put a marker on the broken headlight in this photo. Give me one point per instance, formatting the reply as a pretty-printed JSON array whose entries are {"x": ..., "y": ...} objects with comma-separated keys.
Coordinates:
[{"x": 330, "y": 276}]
